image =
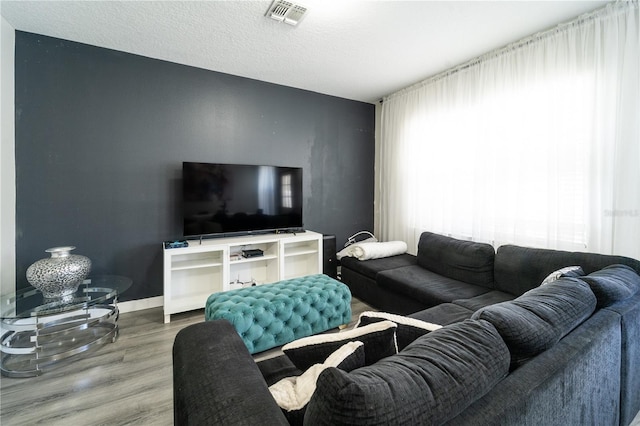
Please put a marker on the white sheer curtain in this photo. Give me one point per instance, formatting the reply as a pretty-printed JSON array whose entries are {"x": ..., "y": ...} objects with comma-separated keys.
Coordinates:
[{"x": 536, "y": 144}]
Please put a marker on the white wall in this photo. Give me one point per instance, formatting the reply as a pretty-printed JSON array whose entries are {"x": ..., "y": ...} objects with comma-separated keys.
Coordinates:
[{"x": 7, "y": 160}]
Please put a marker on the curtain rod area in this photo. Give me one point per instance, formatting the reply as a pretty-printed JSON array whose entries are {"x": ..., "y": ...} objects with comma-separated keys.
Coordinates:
[{"x": 612, "y": 8}]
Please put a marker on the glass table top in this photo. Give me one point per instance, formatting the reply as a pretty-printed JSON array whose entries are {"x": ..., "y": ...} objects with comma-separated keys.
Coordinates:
[{"x": 29, "y": 302}]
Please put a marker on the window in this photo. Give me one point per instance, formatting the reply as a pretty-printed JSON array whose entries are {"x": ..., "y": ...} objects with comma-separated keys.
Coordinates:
[
  {"x": 534, "y": 144},
  {"x": 287, "y": 193}
]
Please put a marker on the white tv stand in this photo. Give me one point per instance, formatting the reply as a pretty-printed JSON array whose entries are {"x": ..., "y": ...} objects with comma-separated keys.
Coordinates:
[{"x": 208, "y": 266}]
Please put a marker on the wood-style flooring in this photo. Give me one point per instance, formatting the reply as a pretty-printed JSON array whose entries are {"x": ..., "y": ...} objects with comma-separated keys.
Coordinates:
[{"x": 127, "y": 382}]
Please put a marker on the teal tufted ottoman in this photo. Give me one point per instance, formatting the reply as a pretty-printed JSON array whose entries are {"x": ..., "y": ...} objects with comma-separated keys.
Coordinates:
[{"x": 271, "y": 315}]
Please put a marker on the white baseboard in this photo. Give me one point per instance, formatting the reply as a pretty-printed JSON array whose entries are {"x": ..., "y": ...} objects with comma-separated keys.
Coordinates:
[{"x": 140, "y": 304}]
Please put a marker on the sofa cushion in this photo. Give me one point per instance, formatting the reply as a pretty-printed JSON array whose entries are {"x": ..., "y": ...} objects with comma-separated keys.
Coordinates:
[
  {"x": 444, "y": 314},
  {"x": 379, "y": 341},
  {"x": 408, "y": 330},
  {"x": 519, "y": 269},
  {"x": 613, "y": 283},
  {"x": 486, "y": 299},
  {"x": 293, "y": 393},
  {"x": 538, "y": 319},
  {"x": 370, "y": 268},
  {"x": 370, "y": 292},
  {"x": 432, "y": 380},
  {"x": 427, "y": 287},
  {"x": 465, "y": 261}
]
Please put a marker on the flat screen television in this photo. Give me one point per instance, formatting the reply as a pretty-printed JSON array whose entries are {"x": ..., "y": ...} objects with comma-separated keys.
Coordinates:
[{"x": 221, "y": 199}]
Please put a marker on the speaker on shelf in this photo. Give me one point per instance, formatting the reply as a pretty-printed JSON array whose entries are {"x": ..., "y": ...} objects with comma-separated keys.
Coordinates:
[{"x": 329, "y": 260}]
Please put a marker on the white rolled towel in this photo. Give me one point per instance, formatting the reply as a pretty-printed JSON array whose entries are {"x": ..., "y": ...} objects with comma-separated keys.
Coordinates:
[{"x": 373, "y": 250}]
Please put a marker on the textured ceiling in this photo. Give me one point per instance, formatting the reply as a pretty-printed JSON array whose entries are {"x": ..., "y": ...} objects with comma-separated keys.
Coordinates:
[{"x": 361, "y": 50}]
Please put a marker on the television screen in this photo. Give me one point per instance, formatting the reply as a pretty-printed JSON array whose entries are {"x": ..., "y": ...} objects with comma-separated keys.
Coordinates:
[{"x": 236, "y": 198}]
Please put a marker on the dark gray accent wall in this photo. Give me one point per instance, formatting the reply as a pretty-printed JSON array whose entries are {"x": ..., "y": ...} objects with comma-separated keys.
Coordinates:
[{"x": 101, "y": 136}]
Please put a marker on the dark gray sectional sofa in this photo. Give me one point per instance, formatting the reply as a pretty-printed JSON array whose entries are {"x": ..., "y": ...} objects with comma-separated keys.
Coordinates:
[
  {"x": 463, "y": 273},
  {"x": 512, "y": 352},
  {"x": 450, "y": 279}
]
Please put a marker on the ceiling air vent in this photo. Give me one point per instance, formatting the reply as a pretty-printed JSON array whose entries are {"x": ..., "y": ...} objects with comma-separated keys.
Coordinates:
[{"x": 287, "y": 12}]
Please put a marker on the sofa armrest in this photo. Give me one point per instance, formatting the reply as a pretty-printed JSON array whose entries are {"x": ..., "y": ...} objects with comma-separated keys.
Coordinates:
[{"x": 216, "y": 381}]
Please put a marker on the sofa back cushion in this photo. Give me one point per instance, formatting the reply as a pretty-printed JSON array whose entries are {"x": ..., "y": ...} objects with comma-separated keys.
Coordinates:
[
  {"x": 432, "y": 380},
  {"x": 460, "y": 260},
  {"x": 538, "y": 319},
  {"x": 613, "y": 284},
  {"x": 519, "y": 269}
]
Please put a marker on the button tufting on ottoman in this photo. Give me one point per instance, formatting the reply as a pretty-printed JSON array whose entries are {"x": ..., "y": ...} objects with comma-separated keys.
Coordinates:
[{"x": 271, "y": 315}]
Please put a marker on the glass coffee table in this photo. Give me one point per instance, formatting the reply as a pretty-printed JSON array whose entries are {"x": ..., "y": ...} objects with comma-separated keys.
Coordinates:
[{"x": 38, "y": 334}]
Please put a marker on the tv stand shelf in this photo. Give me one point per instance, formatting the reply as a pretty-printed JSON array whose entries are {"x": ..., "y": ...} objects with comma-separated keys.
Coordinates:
[
  {"x": 192, "y": 274},
  {"x": 193, "y": 264},
  {"x": 254, "y": 259}
]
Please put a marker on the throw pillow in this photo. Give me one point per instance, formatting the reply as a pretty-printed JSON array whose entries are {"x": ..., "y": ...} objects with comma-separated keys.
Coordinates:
[
  {"x": 613, "y": 283},
  {"x": 537, "y": 320},
  {"x": 379, "y": 341},
  {"x": 569, "y": 271},
  {"x": 293, "y": 393},
  {"x": 408, "y": 330},
  {"x": 429, "y": 383}
]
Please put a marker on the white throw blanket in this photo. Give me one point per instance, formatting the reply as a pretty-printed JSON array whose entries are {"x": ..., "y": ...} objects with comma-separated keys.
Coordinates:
[
  {"x": 293, "y": 393},
  {"x": 371, "y": 250}
]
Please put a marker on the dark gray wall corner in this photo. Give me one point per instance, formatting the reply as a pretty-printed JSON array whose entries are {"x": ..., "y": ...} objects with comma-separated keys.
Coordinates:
[{"x": 101, "y": 136}]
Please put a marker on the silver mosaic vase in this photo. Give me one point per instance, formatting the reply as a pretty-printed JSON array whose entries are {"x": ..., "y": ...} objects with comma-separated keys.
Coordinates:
[{"x": 59, "y": 275}]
